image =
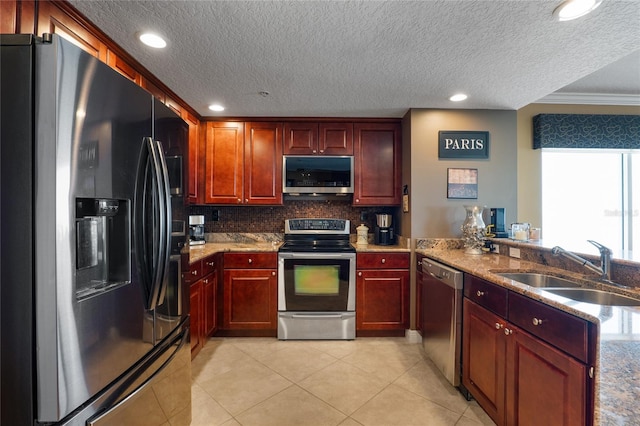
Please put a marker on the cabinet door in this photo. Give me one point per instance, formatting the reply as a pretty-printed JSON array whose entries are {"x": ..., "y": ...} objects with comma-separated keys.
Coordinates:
[
  {"x": 377, "y": 164},
  {"x": 544, "y": 385},
  {"x": 483, "y": 363},
  {"x": 194, "y": 167},
  {"x": 382, "y": 300},
  {"x": 300, "y": 138},
  {"x": 263, "y": 163},
  {"x": 335, "y": 138},
  {"x": 52, "y": 19},
  {"x": 209, "y": 291},
  {"x": 224, "y": 150},
  {"x": 118, "y": 64},
  {"x": 196, "y": 317},
  {"x": 250, "y": 299}
]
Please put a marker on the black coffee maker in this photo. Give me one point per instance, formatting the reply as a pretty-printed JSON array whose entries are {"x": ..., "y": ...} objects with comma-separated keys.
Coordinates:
[
  {"x": 384, "y": 234},
  {"x": 498, "y": 222}
]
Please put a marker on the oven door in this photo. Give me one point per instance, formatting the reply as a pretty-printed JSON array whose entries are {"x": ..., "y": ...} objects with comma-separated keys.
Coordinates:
[{"x": 316, "y": 282}]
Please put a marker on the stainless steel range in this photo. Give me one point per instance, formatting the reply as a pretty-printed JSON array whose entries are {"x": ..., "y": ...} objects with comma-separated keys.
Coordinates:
[{"x": 316, "y": 281}]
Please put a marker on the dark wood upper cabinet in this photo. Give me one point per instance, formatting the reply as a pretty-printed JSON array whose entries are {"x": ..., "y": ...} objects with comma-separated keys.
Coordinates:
[
  {"x": 263, "y": 163},
  {"x": 224, "y": 152},
  {"x": 318, "y": 138},
  {"x": 378, "y": 168}
]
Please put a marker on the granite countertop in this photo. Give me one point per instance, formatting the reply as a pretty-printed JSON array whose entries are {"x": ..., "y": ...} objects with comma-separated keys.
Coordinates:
[
  {"x": 617, "y": 364},
  {"x": 199, "y": 252},
  {"x": 269, "y": 243}
]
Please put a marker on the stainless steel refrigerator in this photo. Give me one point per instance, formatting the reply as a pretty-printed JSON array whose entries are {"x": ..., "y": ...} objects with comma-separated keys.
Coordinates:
[{"x": 93, "y": 314}]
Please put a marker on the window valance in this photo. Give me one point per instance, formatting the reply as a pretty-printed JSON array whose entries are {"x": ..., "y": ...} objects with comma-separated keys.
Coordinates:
[{"x": 586, "y": 131}]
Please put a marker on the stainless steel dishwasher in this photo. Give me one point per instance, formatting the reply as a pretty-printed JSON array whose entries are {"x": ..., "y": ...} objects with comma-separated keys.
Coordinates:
[{"x": 442, "y": 317}]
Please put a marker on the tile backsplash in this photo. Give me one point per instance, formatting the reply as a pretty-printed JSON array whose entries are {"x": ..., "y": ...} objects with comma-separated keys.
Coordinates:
[{"x": 271, "y": 218}]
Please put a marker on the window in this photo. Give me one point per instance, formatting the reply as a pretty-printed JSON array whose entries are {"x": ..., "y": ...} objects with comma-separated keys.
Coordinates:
[{"x": 591, "y": 195}]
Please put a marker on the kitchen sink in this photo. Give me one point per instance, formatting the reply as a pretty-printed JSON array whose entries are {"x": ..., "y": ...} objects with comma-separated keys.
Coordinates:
[
  {"x": 599, "y": 297},
  {"x": 538, "y": 280}
]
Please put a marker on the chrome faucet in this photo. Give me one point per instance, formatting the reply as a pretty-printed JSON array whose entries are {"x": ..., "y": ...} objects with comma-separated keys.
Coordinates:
[{"x": 605, "y": 260}]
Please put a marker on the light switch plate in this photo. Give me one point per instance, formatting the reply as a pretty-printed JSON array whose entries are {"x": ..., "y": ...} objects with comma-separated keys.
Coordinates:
[{"x": 514, "y": 252}]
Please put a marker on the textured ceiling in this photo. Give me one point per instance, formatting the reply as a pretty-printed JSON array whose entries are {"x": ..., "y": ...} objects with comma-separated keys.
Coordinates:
[{"x": 375, "y": 58}]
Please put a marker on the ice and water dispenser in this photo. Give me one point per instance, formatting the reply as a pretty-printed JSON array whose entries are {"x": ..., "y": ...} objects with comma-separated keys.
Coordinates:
[{"x": 102, "y": 245}]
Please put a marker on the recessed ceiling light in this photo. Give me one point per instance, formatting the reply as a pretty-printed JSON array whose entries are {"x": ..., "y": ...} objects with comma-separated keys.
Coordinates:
[
  {"x": 152, "y": 40},
  {"x": 572, "y": 9},
  {"x": 458, "y": 97},
  {"x": 216, "y": 107}
]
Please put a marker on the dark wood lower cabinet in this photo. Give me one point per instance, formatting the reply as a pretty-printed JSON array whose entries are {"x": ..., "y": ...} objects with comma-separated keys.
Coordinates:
[
  {"x": 382, "y": 294},
  {"x": 517, "y": 378},
  {"x": 544, "y": 386},
  {"x": 197, "y": 340},
  {"x": 250, "y": 293}
]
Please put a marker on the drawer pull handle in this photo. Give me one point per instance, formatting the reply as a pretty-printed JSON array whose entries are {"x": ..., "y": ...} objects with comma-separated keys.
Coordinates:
[
  {"x": 480, "y": 293},
  {"x": 499, "y": 326},
  {"x": 537, "y": 321},
  {"x": 508, "y": 331}
]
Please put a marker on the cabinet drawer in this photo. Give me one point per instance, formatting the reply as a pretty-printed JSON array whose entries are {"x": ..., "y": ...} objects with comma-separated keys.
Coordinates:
[
  {"x": 208, "y": 265},
  {"x": 250, "y": 260},
  {"x": 565, "y": 331},
  {"x": 382, "y": 260},
  {"x": 194, "y": 273},
  {"x": 485, "y": 294}
]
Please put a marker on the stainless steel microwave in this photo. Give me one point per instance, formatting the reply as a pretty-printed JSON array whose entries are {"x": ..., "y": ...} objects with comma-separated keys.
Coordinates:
[{"x": 315, "y": 174}]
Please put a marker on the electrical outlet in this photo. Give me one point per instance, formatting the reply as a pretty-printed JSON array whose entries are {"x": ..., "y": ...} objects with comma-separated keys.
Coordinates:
[
  {"x": 495, "y": 248},
  {"x": 215, "y": 216},
  {"x": 514, "y": 252}
]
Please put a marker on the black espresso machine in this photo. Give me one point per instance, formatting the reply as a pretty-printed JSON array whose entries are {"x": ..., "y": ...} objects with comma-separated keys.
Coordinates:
[{"x": 384, "y": 234}]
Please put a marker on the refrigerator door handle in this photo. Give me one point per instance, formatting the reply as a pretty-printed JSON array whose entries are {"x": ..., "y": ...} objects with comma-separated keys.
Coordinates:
[
  {"x": 150, "y": 219},
  {"x": 165, "y": 234}
]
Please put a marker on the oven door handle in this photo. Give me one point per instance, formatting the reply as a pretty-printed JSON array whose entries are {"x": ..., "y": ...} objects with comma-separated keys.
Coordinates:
[
  {"x": 316, "y": 316},
  {"x": 319, "y": 255}
]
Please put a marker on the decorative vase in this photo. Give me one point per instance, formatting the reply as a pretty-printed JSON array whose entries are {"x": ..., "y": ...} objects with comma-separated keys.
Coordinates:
[{"x": 473, "y": 230}]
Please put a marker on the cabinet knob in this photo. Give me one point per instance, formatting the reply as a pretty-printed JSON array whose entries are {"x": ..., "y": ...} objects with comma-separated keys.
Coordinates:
[
  {"x": 360, "y": 273},
  {"x": 246, "y": 200},
  {"x": 273, "y": 273},
  {"x": 499, "y": 326},
  {"x": 419, "y": 263},
  {"x": 314, "y": 151},
  {"x": 537, "y": 321},
  {"x": 508, "y": 331},
  {"x": 357, "y": 200},
  {"x": 194, "y": 272},
  {"x": 250, "y": 260},
  {"x": 239, "y": 201},
  {"x": 384, "y": 260},
  {"x": 211, "y": 263},
  {"x": 206, "y": 280},
  {"x": 480, "y": 293},
  {"x": 321, "y": 151}
]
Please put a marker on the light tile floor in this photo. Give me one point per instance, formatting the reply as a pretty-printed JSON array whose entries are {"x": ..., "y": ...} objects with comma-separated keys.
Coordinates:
[{"x": 367, "y": 381}]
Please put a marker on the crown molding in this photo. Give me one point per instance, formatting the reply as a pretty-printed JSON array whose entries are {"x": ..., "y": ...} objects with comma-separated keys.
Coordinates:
[{"x": 590, "y": 99}]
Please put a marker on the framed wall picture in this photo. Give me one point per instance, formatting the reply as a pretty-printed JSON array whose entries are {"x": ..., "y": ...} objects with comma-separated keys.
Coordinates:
[{"x": 462, "y": 183}]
